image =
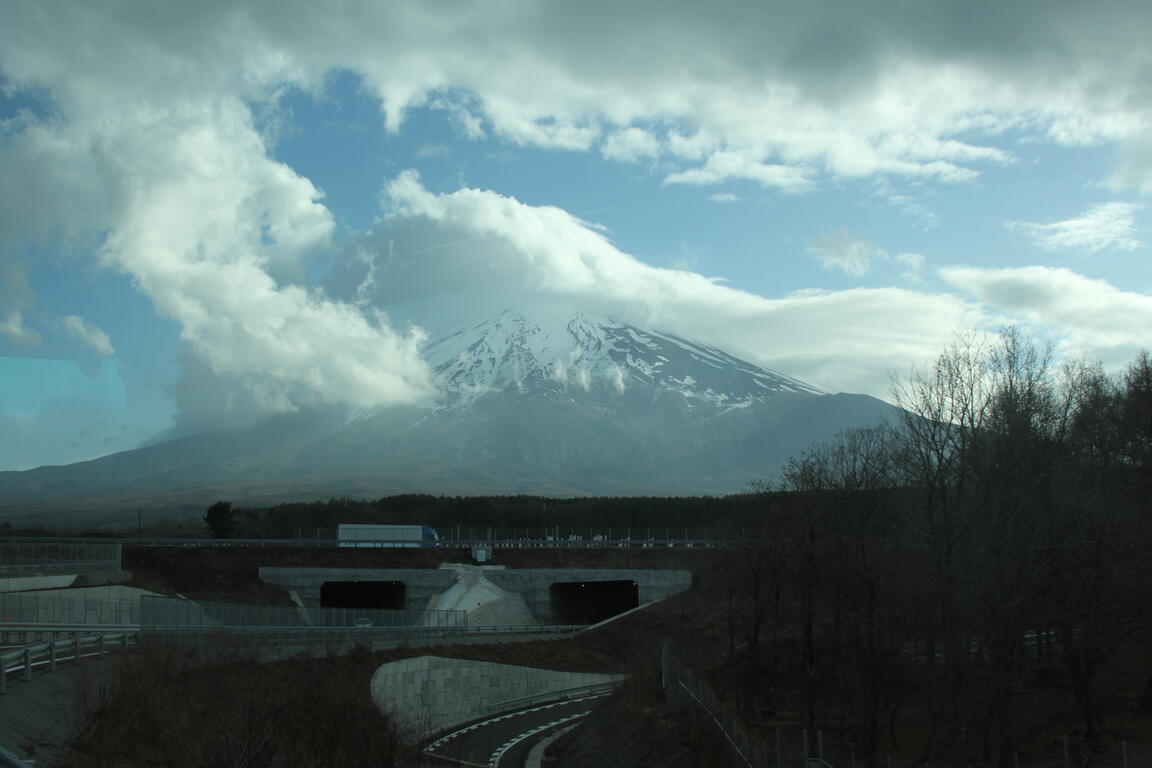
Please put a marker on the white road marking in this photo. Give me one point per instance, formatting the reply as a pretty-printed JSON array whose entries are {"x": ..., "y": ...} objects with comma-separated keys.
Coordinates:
[
  {"x": 499, "y": 753},
  {"x": 468, "y": 729}
]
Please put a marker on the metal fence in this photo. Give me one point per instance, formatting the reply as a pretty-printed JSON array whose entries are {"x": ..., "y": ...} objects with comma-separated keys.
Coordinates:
[
  {"x": 41, "y": 557},
  {"x": 42, "y": 608},
  {"x": 165, "y": 613},
  {"x": 682, "y": 689},
  {"x": 464, "y": 538},
  {"x": 23, "y": 662}
]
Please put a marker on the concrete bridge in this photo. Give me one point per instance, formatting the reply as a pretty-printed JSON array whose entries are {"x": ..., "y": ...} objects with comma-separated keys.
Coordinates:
[{"x": 490, "y": 594}]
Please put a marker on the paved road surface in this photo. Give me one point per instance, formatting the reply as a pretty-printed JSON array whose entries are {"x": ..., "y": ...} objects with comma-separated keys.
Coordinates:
[{"x": 505, "y": 740}]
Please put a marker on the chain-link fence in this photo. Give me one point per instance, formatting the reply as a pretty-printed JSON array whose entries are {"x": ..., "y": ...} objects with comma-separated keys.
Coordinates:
[
  {"x": 45, "y": 608},
  {"x": 682, "y": 689},
  {"x": 40, "y": 558},
  {"x": 163, "y": 613}
]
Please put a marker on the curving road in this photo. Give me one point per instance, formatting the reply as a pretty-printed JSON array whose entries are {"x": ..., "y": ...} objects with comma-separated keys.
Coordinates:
[{"x": 505, "y": 740}]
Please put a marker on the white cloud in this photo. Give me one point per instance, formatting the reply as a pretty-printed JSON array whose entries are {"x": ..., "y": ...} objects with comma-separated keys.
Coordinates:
[
  {"x": 88, "y": 334},
  {"x": 851, "y": 90},
  {"x": 630, "y": 145},
  {"x": 151, "y": 139},
  {"x": 1090, "y": 317},
  {"x": 1107, "y": 226},
  {"x": 433, "y": 151},
  {"x": 725, "y": 197},
  {"x": 170, "y": 163},
  {"x": 857, "y": 257},
  {"x": 15, "y": 299},
  {"x": 495, "y": 250},
  {"x": 913, "y": 263},
  {"x": 12, "y": 326},
  {"x": 852, "y": 257},
  {"x": 724, "y": 165}
]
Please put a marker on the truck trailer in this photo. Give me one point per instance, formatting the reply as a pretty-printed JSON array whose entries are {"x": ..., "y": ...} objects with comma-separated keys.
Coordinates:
[{"x": 365, "y": 535}]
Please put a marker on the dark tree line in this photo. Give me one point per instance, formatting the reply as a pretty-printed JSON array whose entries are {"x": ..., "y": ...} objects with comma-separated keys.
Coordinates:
[
  {"x": 447, "y": 512},
  {"x": 1001, "y": 527}
]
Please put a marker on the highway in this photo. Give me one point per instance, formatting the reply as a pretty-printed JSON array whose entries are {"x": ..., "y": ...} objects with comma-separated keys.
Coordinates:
[{"x": 504, "y": 741}]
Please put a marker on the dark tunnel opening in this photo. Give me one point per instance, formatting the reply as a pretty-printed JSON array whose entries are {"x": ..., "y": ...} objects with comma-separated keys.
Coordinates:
[
  {"x": 382, "y": 595},
  {"x": 588, "y": 602}
]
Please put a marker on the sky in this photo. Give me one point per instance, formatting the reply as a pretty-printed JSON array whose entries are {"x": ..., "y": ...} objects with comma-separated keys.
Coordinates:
[{"x": 214, "y": 212}]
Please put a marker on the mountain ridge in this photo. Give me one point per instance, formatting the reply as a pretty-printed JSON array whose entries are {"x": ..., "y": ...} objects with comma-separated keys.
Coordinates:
[{"x": 582, "y": 405}]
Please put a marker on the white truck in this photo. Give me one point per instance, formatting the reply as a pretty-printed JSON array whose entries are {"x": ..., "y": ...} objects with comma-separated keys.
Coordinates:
[{"x": 366, "y": 535}]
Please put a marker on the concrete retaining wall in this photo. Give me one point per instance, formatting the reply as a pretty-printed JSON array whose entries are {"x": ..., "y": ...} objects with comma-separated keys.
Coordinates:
[
  {"x": 534, "y": 584},
  {"x": 422, "y": 583},
  {"x": 429, "y": 694}
]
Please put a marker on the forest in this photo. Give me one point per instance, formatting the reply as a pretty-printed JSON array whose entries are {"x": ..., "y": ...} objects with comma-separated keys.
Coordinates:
[
  {"x": 942, "y": 569},
  {"x": 989, "y": 547}
]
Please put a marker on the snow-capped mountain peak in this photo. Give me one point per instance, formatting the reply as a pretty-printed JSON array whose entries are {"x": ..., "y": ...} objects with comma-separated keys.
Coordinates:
[{"x": 594, "y": 358}]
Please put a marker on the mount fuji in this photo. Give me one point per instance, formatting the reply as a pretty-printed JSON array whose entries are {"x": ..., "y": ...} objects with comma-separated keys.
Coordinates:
[{"x": 579, "y": 405}]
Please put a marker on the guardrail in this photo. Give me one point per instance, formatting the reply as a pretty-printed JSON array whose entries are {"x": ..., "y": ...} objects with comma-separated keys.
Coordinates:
[
  {"x": 308, "y": 635},
  {"x": 568, "y": 693},
  {"x": 22, "y": 661},
  {"x": 27, "y": 633}
]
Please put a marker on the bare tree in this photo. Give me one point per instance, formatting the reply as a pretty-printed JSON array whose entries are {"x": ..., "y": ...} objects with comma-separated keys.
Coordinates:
[{"x": 944, "y": 408}]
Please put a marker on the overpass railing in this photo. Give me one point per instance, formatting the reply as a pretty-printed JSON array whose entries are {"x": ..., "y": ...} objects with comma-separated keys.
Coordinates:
[{"x": 464, "y": 538}]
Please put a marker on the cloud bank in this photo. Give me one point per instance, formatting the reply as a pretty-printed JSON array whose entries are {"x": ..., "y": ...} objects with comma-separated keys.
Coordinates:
[
  {"x": 494, "y": 250},
  {"x": 1091, "y": 318},
  {"x": 156, "y": 143}
]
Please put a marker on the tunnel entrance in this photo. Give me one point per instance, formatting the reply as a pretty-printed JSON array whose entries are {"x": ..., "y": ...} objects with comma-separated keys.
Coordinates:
[
  {"x": 385, "y": 595},
  {"x": 587, "y": 602}
]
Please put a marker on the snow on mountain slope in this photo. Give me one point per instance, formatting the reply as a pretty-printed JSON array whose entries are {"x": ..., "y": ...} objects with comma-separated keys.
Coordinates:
[{"x": 592, "y": 358}]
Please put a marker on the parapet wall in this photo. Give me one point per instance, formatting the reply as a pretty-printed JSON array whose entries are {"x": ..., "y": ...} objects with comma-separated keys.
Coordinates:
[{"x": 429, "y": 694}]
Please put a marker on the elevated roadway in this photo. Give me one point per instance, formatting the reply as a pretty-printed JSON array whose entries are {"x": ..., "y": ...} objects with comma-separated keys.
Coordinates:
[{"x": 457, "y": 538}]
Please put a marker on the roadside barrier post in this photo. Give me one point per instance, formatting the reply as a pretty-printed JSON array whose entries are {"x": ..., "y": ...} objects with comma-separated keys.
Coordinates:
[
  {"x": 3, "y": 678},
  {"x": 52, "y": 656},
  {"x": 27, "y": 666}
]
